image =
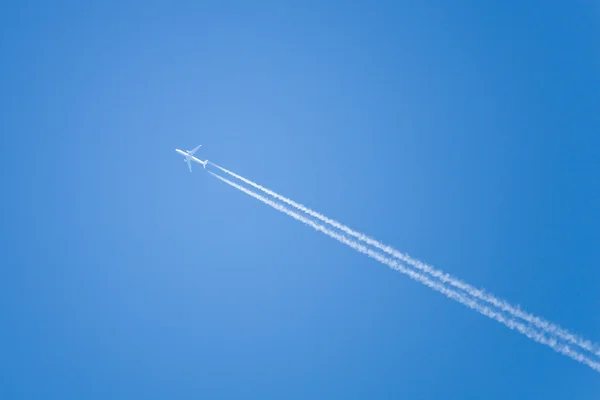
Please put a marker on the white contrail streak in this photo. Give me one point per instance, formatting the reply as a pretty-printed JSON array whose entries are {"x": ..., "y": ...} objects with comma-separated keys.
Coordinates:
[
  {"x": 482, "y": 309},
  {"x": 444, "y": 277}
]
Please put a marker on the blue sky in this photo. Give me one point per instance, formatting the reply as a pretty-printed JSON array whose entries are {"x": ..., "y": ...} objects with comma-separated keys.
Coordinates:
[{"x": 466, "y": 135}]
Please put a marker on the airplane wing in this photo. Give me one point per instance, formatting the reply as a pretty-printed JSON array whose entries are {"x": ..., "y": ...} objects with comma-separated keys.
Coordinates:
[
  {"x": 191, "y": 152},
  {"x": 189, "y": 162}
]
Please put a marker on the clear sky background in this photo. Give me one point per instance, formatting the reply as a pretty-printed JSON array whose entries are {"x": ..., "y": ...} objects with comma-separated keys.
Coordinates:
[{"x": 464, "y": 133}]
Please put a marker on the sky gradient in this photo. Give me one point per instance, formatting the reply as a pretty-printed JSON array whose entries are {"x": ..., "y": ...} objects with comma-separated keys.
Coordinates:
[{"x": 467, "y": 135}]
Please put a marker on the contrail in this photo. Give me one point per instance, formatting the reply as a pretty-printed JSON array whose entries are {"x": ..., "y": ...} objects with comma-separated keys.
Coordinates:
[
  {"x": 444, "y": 277},
  {"x": 452, "y": 294}
]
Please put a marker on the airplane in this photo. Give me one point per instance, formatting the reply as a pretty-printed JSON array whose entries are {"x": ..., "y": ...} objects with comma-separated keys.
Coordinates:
[{"x": 189, "y": 157}]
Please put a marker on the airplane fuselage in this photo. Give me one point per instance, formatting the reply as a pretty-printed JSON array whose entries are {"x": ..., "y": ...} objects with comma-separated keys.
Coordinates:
[{"x": 183, "y": 153}]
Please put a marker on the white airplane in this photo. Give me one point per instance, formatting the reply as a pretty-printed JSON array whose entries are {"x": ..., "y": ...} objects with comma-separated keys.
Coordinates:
[{"x": 189, "y": 157}]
